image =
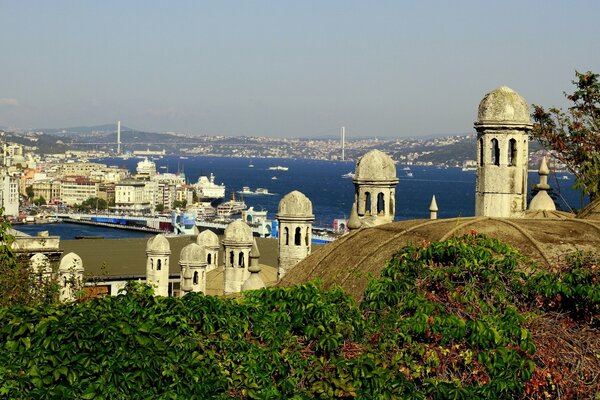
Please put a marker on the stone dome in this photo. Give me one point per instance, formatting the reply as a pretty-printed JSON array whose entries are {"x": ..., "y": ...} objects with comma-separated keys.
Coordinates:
[
  {"x": 295, "y": 204},
  {"x": 351, "y": 259},
  {"x": 71, "y": 262},
  {"x": 503, "y": 105},
  {"x": 238, "y": 232},
  {"x": 158, "y": 244},
  {"x": 375, "y": 166},
  {"x": 591, "y": 211},
  {"x": 208, "y": 238},
  {"x": 192, "y": 253}
]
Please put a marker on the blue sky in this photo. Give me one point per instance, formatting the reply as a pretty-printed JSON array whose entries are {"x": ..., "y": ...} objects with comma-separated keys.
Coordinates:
[{"x": 285, "y": 68}]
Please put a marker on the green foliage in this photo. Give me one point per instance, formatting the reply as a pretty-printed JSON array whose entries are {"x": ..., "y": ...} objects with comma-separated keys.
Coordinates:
[
  {"x": 93, "y": 203},
  {"x": 40, "y": 201},
  {"x": 179, "y": 204},
  {"x": 441, "y": 322},
  {"x": 574, "y": 136}
]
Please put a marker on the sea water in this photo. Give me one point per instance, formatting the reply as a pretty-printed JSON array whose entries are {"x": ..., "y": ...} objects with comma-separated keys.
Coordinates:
[{"x": 331, "y": 194}]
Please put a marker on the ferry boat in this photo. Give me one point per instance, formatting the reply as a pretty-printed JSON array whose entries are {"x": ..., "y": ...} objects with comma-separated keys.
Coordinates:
[
  {"x": 349, "y": 175},
  {"x": 231, "y": 207},
  {"x": 278, "y": 168},
  {"x": 258, "y": 192},
  {"x": 208, "y": 190}
]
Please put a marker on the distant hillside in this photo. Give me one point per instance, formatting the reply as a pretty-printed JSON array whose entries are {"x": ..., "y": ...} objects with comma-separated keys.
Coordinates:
[{"x": 84, "y": 130}]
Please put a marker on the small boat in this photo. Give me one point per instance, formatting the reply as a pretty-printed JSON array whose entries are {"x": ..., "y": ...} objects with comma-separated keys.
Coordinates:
[
  {"x": 250, "y": 165},
  {"x": 274, "y": 178},
  {"x": 278, "y": 168},
  {"x": 406, "y": 169},
  {"x": 409, "y": 174},
  {"x": 88, "y": 237},
  {"x": 258, "y": 192},
  {"x": 564, "y": 177},
  {"x": 348, "y": 175}
]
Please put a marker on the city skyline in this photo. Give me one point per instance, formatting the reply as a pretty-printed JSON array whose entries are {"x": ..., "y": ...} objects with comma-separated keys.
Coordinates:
[{"x": 286, "y": 69}]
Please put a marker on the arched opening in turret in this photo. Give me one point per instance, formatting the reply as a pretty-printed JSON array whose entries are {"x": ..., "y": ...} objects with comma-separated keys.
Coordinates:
[
  {"x": 241, "y": 259},
  {"x": 307, "y": 237},
  {"x": 512, "y": 152},
  {"x": 298, "y": 236},
  {"x": 209, "y": 258},
  {"x": 380, "y": 204},
  {"x": 481, "y": 151},
  {"x": 495, "y": 152},
  {"x": 231, "y": 256},
  {"x": 367, "y": 203},
  {"x": 286, "y": 236},
  {"x": 158, "y": 264},
  {"x": 195, "y": 277},
  {"x": 152, "y": 264}
]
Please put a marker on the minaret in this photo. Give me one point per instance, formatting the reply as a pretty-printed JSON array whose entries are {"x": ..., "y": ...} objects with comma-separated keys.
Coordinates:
[
  {"x": 237, "y": 243},
  {"x": 254, "y": 282},
  {"x": 503, "y": 125},
  {"x": 158, "y": 251},
  {"x": 70, "y": 276},
  {"x": 295, "y": 216},
  {"x": 118, "y": 137},
  {"x": 375, "y": 188}
]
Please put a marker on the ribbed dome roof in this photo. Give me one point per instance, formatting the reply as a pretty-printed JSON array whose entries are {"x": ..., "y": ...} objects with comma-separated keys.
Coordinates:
[
  {"x": 208, "y": 238},
  {"x": 374, "y": 166},
  {"x": 158, "y": 244},
  {"x": 295, "y": 204},
  {"x": 591, "y": 211},
  {"x": 350, "y": 260},
  {"x": 503, "y": 105},
  {"x": 238, "y": 231},
  {"x": 71, "y": 262},
  {"x": 193, "y": 253}
]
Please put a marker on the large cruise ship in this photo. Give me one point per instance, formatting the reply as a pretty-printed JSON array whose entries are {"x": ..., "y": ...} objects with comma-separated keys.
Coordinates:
[{"x": 208, "y": 190}]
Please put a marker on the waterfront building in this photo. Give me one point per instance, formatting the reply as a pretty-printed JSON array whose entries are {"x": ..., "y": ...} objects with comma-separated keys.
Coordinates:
[
  {"x": 81, "y": 169},
  {"x": 133, "y": 196},
  {"x": 503, "y": 126},
  {"x": 9, "y": 193},
  {"x": 158, "y": 253},
  {"x": 295, "y": 217},
  {"x": 375, "y": 183},
  {"x": 48, "y": 188},
  {"x": 237, "y": 243},
  {"x": 77, "y": 189}
]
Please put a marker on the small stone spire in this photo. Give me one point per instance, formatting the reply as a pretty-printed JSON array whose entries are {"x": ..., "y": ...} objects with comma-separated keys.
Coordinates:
[
  {"x": 433, "y": 208},
  {"x": 187, "y": 280},
  {"x": 542, "y": 200},
  {"x": 254, "y": 282},
  {"x": 354, "y": 222}
]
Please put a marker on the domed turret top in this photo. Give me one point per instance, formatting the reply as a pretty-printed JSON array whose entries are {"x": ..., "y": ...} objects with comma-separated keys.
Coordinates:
[
  {"x": 295, "y": 204},
  {"x": 192, "y": 253},
  {"x": 238, "y": 231},
  {"x": 158, "y": 244},
  {"x": 503, "y": 106},
  {"x": 71, "y": 262},
  {"x": 208, "y": 238},
  {"x": 375, "y": 166}
]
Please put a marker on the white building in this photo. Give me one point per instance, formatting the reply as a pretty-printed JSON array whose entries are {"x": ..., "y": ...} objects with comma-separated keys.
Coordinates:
[{"x": 9, "y": 194}]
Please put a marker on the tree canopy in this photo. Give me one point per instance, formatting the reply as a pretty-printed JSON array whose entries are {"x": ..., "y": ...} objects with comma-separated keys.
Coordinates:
[{"x": 574, "y": 135}]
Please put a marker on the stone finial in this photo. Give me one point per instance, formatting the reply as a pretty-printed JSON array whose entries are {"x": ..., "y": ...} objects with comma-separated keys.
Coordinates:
[
  {"x": 433, "y": 208},
  {"x": 254, "y": 281},
  {"x": 542, "y": 200},
  {"x": 187, "y": 280},
  {"x": 354, "y": 221}
]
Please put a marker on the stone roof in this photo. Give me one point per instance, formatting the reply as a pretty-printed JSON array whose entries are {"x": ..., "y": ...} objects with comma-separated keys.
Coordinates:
[
  {"x": 238, "y": 232},
  {"x": 591, "y": 211},
  {"x": 295, "y": 204},
  {"x": 503, "y": 106},
  {"x": 208, "y": 238},
  {"x": 158, "y": 244},
  {"x": 192, "y": 253},
  {"x": 375, "y": 166},
  {"x": 71, "y": 262},
  {"x": 352, "y": 259}
]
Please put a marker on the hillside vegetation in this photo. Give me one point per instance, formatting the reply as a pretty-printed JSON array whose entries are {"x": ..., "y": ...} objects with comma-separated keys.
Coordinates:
[{"x": 457, "y": 319}]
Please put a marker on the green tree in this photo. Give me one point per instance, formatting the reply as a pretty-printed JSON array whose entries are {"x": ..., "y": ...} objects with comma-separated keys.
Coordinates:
[
  {"x": 94, "y": 203},
  {"x": 30, "y": 193},
  {"x": 574, "y": 135},
  {"x": 179, "y": 203},
  {"x": 160, "y": 208},
  {"x": 40, "y": 201}
]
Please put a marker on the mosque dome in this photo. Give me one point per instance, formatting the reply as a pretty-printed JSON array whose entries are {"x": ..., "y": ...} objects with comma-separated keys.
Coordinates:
[
  {"x": 375, "y": 166},
  {"x": 295, "y": 204},
  {"x": 208, "y": 238},
  {"x": 238, "y": 232},
  {"x": 351, "y": 259},
  {"x": 591, "y": 211},
  {"x": 71, "y": 263},
  {"x": 158, "y": 244},
  {"x": 503, "y": 106},
  {"x": 192, "y": 253}
]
